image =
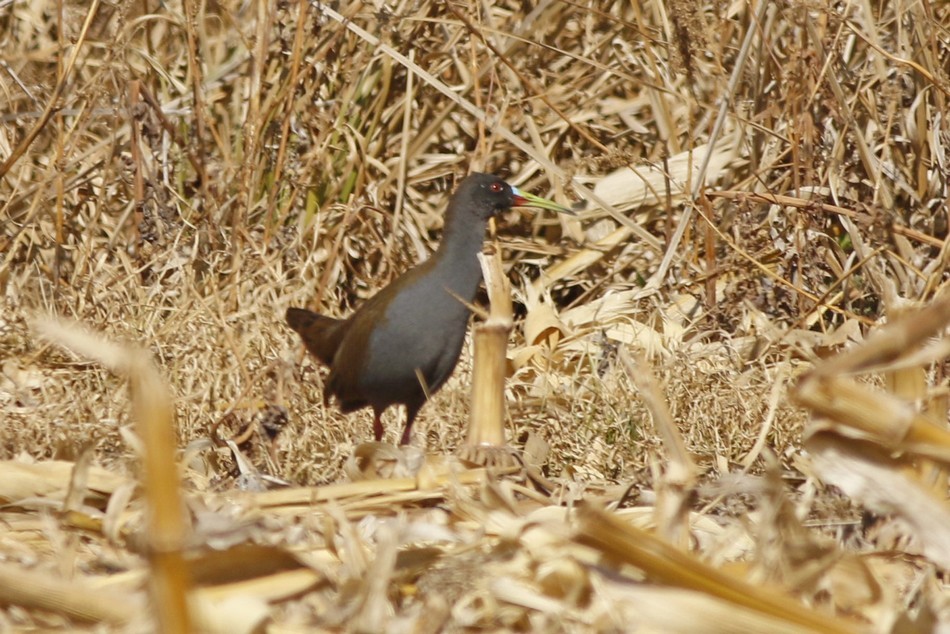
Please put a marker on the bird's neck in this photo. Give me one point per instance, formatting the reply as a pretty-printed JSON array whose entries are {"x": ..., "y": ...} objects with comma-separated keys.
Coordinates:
[{"x": 457, "y": 256}]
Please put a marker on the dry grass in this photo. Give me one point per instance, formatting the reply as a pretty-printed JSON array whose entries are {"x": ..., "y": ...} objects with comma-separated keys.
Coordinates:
[{"x": 762, "y": 187}]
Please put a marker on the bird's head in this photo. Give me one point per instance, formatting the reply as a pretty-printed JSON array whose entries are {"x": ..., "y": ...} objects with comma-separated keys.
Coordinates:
[{"x": 487, "y": 195}]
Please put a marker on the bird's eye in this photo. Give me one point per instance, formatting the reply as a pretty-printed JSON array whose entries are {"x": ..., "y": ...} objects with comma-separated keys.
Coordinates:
[{"x": 496, "y": 187}]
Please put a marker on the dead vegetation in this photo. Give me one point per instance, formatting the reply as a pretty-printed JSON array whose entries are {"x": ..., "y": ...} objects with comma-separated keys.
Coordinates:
[{"x": 718, "y": 427}]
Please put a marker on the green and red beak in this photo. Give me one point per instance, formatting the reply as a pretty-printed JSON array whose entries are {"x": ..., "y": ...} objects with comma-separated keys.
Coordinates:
[{"x": 523, "y": 199}]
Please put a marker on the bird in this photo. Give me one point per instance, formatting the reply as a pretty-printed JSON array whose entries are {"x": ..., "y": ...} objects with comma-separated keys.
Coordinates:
[{"x": 403, "y": 343}]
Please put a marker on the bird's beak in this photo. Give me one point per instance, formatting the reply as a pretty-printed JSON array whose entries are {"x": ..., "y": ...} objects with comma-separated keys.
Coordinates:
[{"x": 523, "y": 199}]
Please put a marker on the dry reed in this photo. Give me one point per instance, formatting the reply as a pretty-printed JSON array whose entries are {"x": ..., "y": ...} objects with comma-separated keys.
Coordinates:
[{"x": 761, "y": 187}]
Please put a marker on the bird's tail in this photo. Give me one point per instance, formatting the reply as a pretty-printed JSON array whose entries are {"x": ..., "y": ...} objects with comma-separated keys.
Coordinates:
[{"x": 319, "y": 333}]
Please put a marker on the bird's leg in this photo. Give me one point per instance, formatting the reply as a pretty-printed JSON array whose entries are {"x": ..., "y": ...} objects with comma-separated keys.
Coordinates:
[
  {"x": 411, "y": 411},
  {"x": 377, "y": 424}
]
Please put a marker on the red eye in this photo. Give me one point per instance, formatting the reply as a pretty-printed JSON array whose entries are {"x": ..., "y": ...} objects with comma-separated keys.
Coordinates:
[{"x": 496, "y": 187}]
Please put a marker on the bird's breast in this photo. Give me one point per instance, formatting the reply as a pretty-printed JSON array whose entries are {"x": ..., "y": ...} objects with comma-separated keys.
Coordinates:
[{"x": 420, "y": 333}]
